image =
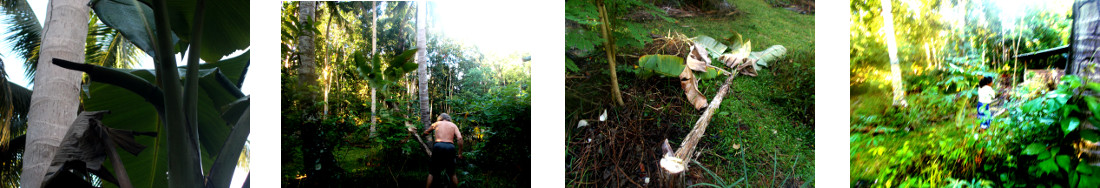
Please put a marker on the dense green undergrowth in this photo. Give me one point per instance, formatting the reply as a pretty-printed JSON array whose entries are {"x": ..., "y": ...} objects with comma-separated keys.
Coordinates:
[{"x": 1034, "y": 143}]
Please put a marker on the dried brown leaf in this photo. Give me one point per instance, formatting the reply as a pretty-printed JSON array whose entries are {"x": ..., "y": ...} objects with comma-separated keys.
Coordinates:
[
  {"x": 739, "y": 62},
  {"x": 697, "y": 60},
  {"x": 691, "y": 89}
]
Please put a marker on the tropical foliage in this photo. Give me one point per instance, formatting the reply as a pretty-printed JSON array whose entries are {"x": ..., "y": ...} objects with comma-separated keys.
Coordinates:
[
  {"x": 1036, "y": 138},
  {"x": 487, "y": 94}
]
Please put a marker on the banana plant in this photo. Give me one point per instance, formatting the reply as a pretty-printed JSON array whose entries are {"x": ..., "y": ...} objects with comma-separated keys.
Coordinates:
[
  {"x": 379, "y": 77},
  {"x": 201, "y": 119}
]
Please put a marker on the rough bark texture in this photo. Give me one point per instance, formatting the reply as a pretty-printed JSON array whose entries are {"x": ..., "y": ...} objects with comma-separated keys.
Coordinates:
[
  {"x": 1085, "y": 40},
  {"x": 55, "y": 99},
  {"x": 305, "y": 47},
  {"x": 306, "y": 78},
  {"x": 1083, "y": 51},
  {"x": 687, "y": 148},
  {"x": 422, "y": 61}
]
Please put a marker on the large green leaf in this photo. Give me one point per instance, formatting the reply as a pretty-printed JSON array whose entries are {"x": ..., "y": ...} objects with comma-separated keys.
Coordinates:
[
  {"x": 234, "y": 68},
  {"x": 1048, "y": 166},
  {"x": 1093, "y": 86},
  {"x": 133, "y": 19},
  {"x": 1093, "y": 105},
  {"x": 1069, "y": 108},
  {"x": 225, "y": 25},
  {"x": 1034, "y": 148},
  {"x": 370, "y": 69},
  {"x": 771, "y": 54},
  {"x": 400, "y": 65},
  {"x": 1070, "y": 124},
  {"x": 672, "y": 66},
  {"x": 665, "y": 65},
  {"x": 222, "y": 172},
  {"x": 714, "y": 48},
  {"x": 218, "y": 89},
  {"x": 1084, "y": 168},
  {"x": 1063, "y": 162}
]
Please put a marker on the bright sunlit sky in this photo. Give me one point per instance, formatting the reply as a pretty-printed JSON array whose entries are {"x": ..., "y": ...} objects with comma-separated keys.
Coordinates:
[
  {"x": 1012, "y": 11},
  {"x": 490, "y": 26},
  {"x": 13, "y": 63}
]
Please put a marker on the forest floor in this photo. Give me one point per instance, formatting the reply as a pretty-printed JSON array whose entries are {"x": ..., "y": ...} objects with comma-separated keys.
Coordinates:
[
  {"x": 760, "y": 134},
  {"x": 411, "y": 172},
  {"x": 936, "y": 153},
  {"x": 372, "y": 167}
]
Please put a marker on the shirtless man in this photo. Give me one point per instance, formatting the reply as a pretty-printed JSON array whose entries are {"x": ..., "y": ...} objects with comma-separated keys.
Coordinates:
[{"x": 443, "y": 151}]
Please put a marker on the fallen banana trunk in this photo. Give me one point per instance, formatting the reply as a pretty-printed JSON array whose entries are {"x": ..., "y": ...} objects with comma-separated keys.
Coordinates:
[
  {"x": 412, "y": 131},
  {"x": 675, "y": 163}
]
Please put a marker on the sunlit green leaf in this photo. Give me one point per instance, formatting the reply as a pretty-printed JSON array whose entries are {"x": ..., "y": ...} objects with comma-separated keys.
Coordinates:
[
  {"x": 1070, "y": 124},
  {"x": 1048, "y": 166},
  {"x": 1034, "y": 148}
]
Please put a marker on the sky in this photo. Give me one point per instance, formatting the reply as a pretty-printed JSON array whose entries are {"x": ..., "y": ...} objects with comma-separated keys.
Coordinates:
[
  {"x": 486, "y": 24},
  {"x": 13, "y": 63}
]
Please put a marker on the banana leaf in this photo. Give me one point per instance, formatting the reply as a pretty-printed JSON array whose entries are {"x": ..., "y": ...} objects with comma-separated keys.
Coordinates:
[
  {"x": 225, "y": 24},
  {"x": 773, "y": 53},
  {"x": 219, "y": 87},
  {"x": 714, "y": 48},
  {"x": 672, "y": 66},
  {"x": 130, "y": 17}
]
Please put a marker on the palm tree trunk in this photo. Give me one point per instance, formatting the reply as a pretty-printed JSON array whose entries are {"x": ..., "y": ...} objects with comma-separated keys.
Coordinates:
[
  {"x": 305, "y": 46},
  {"x": 422, "y": 61},
  {"x": 373, "y": 50},
  {"x": 306, "y": 79},
  {"x": 56, "y": 99},
  {"x": 891, "y": 44}
]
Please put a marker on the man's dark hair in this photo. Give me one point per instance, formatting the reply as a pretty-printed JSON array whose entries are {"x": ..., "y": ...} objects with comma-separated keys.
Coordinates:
[
  {"x": 985, "y": 81},
  {"x": 444, "y": 116}
]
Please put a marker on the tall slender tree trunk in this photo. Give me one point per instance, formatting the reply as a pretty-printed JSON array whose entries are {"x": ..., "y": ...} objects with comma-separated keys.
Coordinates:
[
  {"x": 422, "y": 61},
  {"x": 307, "y": 79},
  {"x": 373, "y": 50},
  {"x": 305, "y": 46},
  {"x": 327, "y": 49},
  {"x": 325, "y": 99},
  {"x": 891, "y": 45},
  {"x": 56, "y": 98},
  {"x": 609, "y": 47}
]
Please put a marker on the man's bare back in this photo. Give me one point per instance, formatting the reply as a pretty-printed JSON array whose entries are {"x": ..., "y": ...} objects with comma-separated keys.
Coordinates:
[{"x": 445, "y": 131}]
